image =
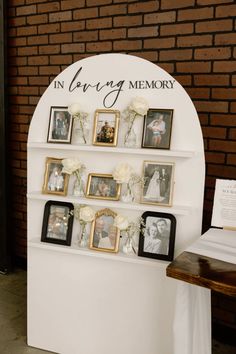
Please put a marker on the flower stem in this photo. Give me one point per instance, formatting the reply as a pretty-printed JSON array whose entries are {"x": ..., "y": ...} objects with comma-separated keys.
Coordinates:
[{"x": 130, "y": 128}]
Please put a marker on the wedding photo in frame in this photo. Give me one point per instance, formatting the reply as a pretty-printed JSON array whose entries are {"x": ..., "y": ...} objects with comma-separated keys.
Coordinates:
[
  {"x": 104, "y": 235},
  {"x": 106, "y": 123},
  {"x": 57, "y": 223},
  {"x": 157, "y": 236},
  {"x": 158, "y": 183},
  {"x": 60, "y": 125},
  {"x": 55, "y": 182},
  {"x": 157, "y": 127},
  {"x": 102, "y": 186}
]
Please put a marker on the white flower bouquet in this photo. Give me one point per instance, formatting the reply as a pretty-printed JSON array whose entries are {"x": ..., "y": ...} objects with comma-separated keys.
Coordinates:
[
  {"x": 81, "y": 117},
  {"x": 84, "y": 214}
]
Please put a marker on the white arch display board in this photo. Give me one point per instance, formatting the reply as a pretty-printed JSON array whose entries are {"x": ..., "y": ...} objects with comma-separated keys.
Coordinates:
[{"x": 87, "y": 302}]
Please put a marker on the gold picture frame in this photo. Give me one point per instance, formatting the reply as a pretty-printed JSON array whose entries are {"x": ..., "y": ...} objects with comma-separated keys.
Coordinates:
[
  {"x": 158, "y": 183},
  {"x": 105, "y": 129},
  {"x": 102, "y": 186},
  {"x": 55, "y": 182},
  {"x": 104, "y": 235}
]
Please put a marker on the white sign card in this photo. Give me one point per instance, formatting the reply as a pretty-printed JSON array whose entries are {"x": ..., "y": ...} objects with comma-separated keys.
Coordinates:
[{"x": 224, "y": 207}]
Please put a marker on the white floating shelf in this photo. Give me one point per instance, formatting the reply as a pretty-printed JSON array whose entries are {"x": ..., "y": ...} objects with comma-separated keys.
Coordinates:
[
  {"x": 121, "y": 257},
  {"x": 117, "y": 150},
  {"x": 175, "y": 209}
]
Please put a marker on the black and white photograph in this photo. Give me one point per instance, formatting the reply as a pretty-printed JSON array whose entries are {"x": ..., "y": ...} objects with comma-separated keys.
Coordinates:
[
  {"x": 57, "y": 223},
  {"x": 104, "y": 235},
  {"x": 55, "y": 181},
  {"x": 157, "y": 236},
  {"x": 102, "y": 186},
  {"x": 157, "y": 129},
  {"x": 158, "y": 183},
  {"x": 60, "y": 125},
  {"x": 106, "y": 122}
]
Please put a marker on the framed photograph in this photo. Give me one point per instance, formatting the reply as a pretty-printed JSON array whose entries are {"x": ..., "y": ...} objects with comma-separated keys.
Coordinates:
[
  {"x": 104, "y": 235},
  {"x": 157, "y": 128},
  {"x": 157, "y": 236},
  {"x": 60, "y": 125},
  {"x": 57, "y": 223},
  {"x": 158, "y": 183},
  {"x": 102, "y": 186},
  {"x": 55, "y": 182},
  {"x": 105, "y": 131}
]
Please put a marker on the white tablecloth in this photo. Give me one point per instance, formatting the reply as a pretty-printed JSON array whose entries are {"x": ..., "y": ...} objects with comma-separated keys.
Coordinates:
[{"x": 192, "y": 322}]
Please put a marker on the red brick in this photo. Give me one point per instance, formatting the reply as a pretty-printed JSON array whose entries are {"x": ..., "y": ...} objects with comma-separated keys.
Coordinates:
[
  {"x": 223, "y": 119},
  {"x": 73, "y": 48},
  {"x": 195, "y": 41},
  {"x": 211, "y": 106},
  {"x": 60, "y": 38},
  {"x": 49, "y": 7},
  {"x": 168, "y": 30},
  {"x": 38, "y": 80},
  {"x": 167, "y": 67},
  {"x": 50, "y": 70},
  {"x": 72, "y": 26},
  {"x": 83, "y": 14},
  {"x": 99, "y": 47},
  {"x": 234, "y": 80},
  {"x": 196, "y": 14},
  {"x": 26, "y": 31},
  {"x": 224, "y": 93},
  {"x": 102, "y": 23},
  {"x": 175, "y": 55},
  {"x": 159, "y": 43},
  {"x": 212, "y": 53},
  {"x": 26, "y": 10},
  {"x": 203, "y": 118},
  {"x": 17, "y": 42},
  {"x": 113, "y": 10},
  {"x": 60, "y": 16},
  {"x": 98, "y": 2},
  {"x": 211, "y": 80},
  {"x": 170, "y": 4},
  {"x": 226, "y": 38},
  {"x": 212, "y": 2},
  {"x": 37, "y": 19},
  {"x": 49, "y": 49},
  {"x": 218, "y": 158},
  {"x": 112, "y": 34},
  {"x": 198, "y": 92},
  {"x": 60, "y": 59},
  {"x": 143, "y": 32},
  {"x": 38, "y": 60},
  {"x": 184, "y": 80},
  {"x": 233, "y": 107},
  {"x": 224, "y": 66},
  {"x": 72, "y": 4},
  {"x": 223, "y": 145},
  {"x": 85, "y": 36},
  {"x": 160, "y": 17},
  {"x": 231, "y": 159},
  {"x": 127, "y": 45},
  {"x": 27, "y": 50},
  {"x": 212, "y": 132},
  {"x": 214, "y": 26},
  {"x": 228, "y": 172},
  {"x": 16, "y": 21},
  {"x": 49, "y": 28},
  {"x": 232, "y": 133},
  {"x": 42, "y": 39},
  {"x": 149, "y": 6},
  {"x": 127, "y": 21},
  {"x": 194, "y": 67},
  {"x": 28, "y": 70},
  {"x": 226, "y": 11},
  {"x": 151, "y": 56}
]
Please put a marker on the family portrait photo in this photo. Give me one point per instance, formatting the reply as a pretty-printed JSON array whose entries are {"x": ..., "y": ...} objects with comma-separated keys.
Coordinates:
[
  {"x": 157, "y": 129},
  {"x": 157, "y": 236},
  {"x": 55, "y": 182},
  {"x": 158, "y": 183},
  {"x": 102, "y": 186},
  {"x": 104, "y": 235},
  {"x": 106, "y": 127},
  {"x": 57, "y": 223},
  {"x": 60, "y": 125}
]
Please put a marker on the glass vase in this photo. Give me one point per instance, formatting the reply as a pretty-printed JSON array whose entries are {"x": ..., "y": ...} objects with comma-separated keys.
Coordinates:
[
  {"x": 83, "y": 236},
  {"x": 81, "y": 133},
  {"x": 130, "y": 138},
  {"x": 128, "y": 247},
  {"x": 78, "y": 189},
  {"x": 127, "y": 194}
]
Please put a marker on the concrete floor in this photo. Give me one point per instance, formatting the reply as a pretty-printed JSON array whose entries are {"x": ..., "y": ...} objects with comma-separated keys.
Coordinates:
[{"x": 13, "y": 318}]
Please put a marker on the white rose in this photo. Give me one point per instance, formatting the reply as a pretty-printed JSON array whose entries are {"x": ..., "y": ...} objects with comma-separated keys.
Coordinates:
[
  {"x": 70, "y": 165},
  {"x": 121, "y": 222},
  {"x": 74, "y": 109},
  {"x": 122, "y": 173},
  {"x": 139, "y": 105},
  {"x": 87, "y": 214}
]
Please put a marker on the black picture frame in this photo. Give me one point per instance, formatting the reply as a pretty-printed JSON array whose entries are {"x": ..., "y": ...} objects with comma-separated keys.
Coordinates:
[
  {"x": 60, "y": 125},
  {"x": 57, "y": 223},
  {"x": 157, "y": 236},
  {"x": 157, "y": 128}
]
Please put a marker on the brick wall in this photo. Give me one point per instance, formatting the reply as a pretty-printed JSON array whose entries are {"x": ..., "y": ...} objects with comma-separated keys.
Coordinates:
[{"x": 191, "y": 39}]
